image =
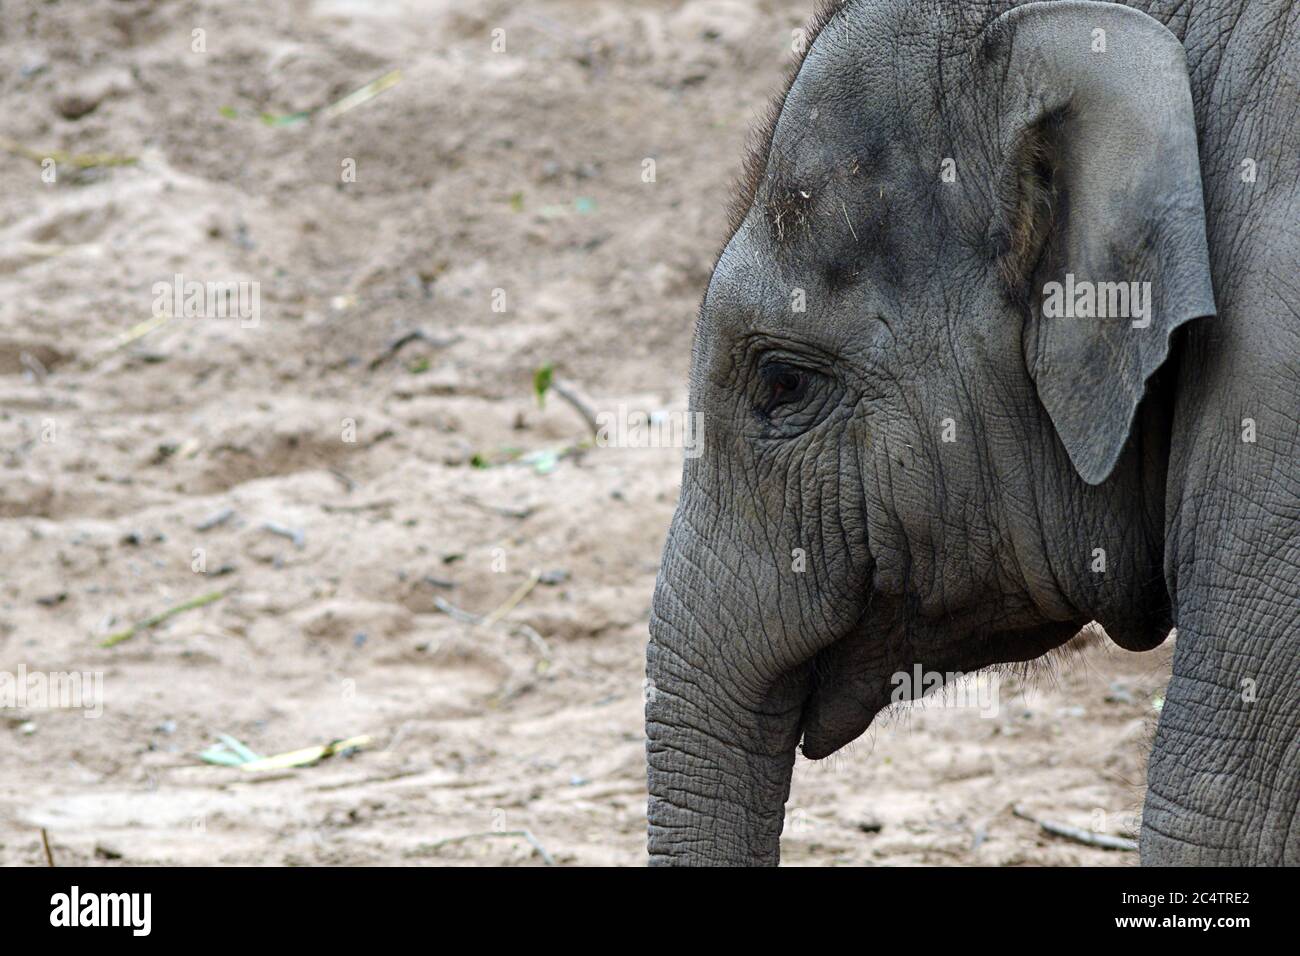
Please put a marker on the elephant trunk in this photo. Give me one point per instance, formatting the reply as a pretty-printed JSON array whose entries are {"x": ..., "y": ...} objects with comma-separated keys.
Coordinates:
[{"x": 719, "y": 754}]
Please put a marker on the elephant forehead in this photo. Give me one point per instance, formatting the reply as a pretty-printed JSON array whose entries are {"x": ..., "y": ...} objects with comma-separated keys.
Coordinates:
[
  {"x": 828, "y": 185},
  {"x": 817, "y": 153},
  {"x": 837, "y": 113}
]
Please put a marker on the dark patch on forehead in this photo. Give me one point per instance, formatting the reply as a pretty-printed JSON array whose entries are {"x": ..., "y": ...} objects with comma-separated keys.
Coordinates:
[{"x": 746, "y": 187}]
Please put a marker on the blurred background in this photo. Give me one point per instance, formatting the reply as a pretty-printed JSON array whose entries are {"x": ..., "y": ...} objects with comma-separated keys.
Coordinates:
[{"x": 343, "y": 513}]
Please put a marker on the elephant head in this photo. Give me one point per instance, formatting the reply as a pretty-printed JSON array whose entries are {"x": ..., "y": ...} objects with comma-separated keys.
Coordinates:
[{"x": 911, "y": 455}]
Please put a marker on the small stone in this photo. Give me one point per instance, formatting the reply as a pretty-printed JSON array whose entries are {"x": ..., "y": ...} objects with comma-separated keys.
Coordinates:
[
  {"x": 74, "y": 104},
  {"x": 85, "y": 95}
]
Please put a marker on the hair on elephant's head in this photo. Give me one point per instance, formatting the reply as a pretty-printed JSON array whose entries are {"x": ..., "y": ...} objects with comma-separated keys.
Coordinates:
[{"x": 925, "y": 435}]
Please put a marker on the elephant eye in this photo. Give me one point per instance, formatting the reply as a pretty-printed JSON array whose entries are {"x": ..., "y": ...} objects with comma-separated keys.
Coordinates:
[{"x": 782, "y": 385}]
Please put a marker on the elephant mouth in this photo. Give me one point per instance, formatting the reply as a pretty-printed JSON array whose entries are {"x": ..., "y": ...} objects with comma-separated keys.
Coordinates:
[{"x": 849, "y": 691}]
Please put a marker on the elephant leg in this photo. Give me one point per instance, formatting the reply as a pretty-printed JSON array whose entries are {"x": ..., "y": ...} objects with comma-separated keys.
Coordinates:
[{"x": 1224, "y": 777}]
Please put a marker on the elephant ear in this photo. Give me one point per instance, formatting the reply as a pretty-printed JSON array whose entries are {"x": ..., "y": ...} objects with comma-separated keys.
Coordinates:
[{"x": 1100, "y": 183}]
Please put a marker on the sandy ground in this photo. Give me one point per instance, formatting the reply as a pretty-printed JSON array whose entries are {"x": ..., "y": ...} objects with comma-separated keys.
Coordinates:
[{"x": 131, "y": 454}]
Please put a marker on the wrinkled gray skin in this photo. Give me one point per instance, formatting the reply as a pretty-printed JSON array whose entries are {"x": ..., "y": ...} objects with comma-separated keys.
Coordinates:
[{"x": 823, "y": 429}]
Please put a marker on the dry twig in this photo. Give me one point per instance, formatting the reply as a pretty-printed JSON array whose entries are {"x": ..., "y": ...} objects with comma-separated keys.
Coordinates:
[
  {"x": 577, "y": 403},
  {"x": 1087, "y": 837}
]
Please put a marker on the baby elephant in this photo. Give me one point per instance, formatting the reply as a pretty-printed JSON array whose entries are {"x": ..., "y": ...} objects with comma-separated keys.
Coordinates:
[{"x": 1004, "y": 341}]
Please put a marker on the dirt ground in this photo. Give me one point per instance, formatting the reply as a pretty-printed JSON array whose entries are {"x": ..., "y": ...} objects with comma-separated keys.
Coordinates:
[{"x": 341, "y": 493}]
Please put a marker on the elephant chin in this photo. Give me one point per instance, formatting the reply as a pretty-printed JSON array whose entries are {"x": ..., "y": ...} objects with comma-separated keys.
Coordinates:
[
  {"x": 832, "y": 718},
  {"x": 819, "y": 742},
  {"x": 1137, "y": 637}
]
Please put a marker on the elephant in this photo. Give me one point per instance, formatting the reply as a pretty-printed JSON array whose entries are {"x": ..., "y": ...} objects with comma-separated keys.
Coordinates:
[{"x": 1003, "y": 341}]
